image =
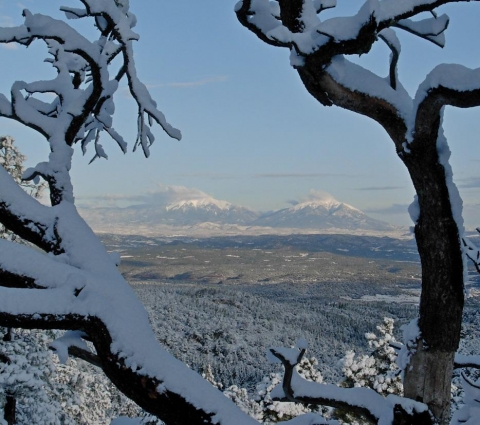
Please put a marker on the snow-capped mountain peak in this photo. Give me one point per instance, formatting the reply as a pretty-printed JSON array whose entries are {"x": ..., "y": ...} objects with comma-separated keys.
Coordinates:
[
  {"x": 329, "y": 205},
  {"x": 199, "y": 203},
  {"x": 323, "y": 201},
  {"x": 180, "y": 206},
  {"x": 322, "y": 211}
]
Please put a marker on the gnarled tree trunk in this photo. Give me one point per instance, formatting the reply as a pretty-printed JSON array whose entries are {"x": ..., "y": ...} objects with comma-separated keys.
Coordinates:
[
  {"x": 428, "y": 376},
  {"x": 318, "y": 51}
]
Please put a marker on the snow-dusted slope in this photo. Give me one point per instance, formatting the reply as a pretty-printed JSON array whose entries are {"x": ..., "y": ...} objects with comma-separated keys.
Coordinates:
[{"x": 323, "y": 212}]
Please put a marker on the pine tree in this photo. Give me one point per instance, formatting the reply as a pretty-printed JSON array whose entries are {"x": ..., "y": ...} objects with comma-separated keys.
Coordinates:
[
  {"x": 378, "y": 370},
  {"x": 28, "y": 376}
]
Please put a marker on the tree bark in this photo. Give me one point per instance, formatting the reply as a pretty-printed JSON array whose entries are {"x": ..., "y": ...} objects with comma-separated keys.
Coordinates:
[
  {"x": 429, "y": 374},
  {"x": 10, "y": 410},
  {"x": 428, "y": 378},
  {"x": 437, "y": 234}
]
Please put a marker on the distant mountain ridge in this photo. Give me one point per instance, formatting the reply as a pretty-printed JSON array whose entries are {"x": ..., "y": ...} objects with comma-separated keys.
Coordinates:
[
  {"x": 188, "y": 212},
  {"x": 323, "y": 212}
]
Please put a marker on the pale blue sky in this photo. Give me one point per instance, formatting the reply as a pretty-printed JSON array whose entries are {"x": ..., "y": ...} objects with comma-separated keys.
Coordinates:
[{"x": 252, "y": 135}]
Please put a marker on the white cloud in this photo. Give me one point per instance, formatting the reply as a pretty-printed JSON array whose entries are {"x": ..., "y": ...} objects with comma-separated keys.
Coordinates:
[
  {"x": 6, "y": 21},
  {"x": 162, "y": 195},
  {"x": 201, "y": 82},
  {"x": 390, "y": 209},
  {"x": 318, "y": 195},
  {"x": 10, "y": 46},
  {"x": 125, "y": 92}
]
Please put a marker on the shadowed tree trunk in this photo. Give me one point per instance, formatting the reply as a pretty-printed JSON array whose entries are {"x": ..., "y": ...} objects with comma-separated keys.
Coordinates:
[{"x": 317, "y": 51}]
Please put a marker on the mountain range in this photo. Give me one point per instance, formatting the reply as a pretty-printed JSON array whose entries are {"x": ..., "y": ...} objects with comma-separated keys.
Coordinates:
[
  {"x": 319, "y": 213},
  {"x": 323, "y": 213}
]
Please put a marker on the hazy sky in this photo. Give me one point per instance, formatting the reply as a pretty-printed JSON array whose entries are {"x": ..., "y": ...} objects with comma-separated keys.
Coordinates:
[{"x": 252, "y": 135}]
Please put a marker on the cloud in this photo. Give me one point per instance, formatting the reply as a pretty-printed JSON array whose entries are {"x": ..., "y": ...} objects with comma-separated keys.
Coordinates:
[
  {"x": 162, "y": 195},
  {"x": 201, "y": 82},
  {"x": 469, "y": 183},
  {"x": 125, "y": 92},
  {"x": 379, "y": 188},
  {"x": 313, "y": 195},
  {"x": 391, "y": 209},
  {"x": 211, "y": 176},
  {"x": 196, "y": 83},
  {"x": 167, "y": 194},
  {"x": 6, "y": 21},
  {"x": 10, "y": 46},
  {"x": 295, "y": 175},
  {"x": 319, "y": 195}
]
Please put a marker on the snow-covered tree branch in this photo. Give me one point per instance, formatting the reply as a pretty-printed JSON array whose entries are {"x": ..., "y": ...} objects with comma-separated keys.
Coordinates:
[
  {"x": 365, "y": 401},
  {"x": 73, "y": 283},
  {"x": 318, "y": 51}
]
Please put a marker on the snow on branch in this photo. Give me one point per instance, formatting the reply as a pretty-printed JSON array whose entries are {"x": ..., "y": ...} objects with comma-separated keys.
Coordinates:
[
  {"x": 84, "y": 91},
  {"x": 463, "y": 361},
  {"x": 319, "y": 47},
  {"x": 431, "y": 29},
  {"x": 74, "y": 283},
  {"x": 73, "y": 343},
  {"x": 105, "y": 309},
  {"x": 382, "y": 410},
  {"x": 460, "y": 361},
  {"x": 446, "y": 85},
  {"x": 261, "y": 17},
  {"x": 26, "y": 216},
  {"x": 450, "y": 84},
  {"x": 337, "y": 35}
]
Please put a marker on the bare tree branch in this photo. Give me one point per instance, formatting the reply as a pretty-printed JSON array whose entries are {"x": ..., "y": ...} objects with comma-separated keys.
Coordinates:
[{"x": 390, "y": 39}]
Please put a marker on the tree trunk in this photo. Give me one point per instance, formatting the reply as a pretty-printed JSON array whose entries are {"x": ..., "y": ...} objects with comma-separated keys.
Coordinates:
[
  {"x": 428, "y": 377},
  {"x": 436, "y": 232},
  {"x": 10, "y": 410}
]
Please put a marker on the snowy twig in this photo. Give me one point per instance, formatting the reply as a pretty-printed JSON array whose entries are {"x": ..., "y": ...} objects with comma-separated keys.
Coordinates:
[
  {"x": 365, "y": 401},
  {"x": 464, "y": 361},
  {"x": 460, "y": 361},
  {"x": 289, "y": 364},
  {"x": 469, "y": 381},
  {"x": 391, "y": 40},
  {"x": 72, "y": 343},
  {"x": 85, "y": 355},
  {"x": 260, "y": 20}
]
